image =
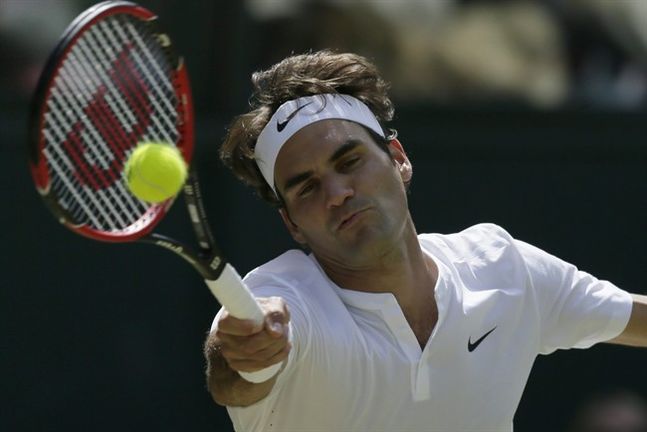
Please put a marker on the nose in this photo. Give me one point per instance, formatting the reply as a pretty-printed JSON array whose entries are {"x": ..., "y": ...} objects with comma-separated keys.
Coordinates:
[{"x": 338, "y": 189}]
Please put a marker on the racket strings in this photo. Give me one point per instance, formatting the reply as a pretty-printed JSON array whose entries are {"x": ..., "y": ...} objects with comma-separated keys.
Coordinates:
[{"x": 113, "y": 89}]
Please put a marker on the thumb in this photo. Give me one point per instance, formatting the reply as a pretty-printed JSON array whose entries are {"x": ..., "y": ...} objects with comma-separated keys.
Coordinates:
[{"x": 274, "y": 325}]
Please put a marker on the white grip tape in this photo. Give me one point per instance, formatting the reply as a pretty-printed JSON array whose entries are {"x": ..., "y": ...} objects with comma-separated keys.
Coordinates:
[{"x": 233, "y": 294}]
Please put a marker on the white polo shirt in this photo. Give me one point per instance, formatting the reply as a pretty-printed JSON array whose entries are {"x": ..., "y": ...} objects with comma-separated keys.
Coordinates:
[{"x": 356, "y": 364}]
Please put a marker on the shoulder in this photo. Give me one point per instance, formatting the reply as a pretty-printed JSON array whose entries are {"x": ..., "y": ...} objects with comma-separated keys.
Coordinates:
[
  {"x": 286, "y": 269},
  {"x": 296, "y": 277},
  {"x": 484, "y": 241}
]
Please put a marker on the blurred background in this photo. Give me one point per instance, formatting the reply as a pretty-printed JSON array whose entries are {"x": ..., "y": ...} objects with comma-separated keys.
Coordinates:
[{"x": 528, "y": 114}]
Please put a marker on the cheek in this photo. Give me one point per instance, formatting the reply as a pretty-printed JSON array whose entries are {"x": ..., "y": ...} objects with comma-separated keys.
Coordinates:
[
  {"x": 304, "y": 215},
  {"x": 388, "y": 178},
  {"x": 391, "y": 191}
]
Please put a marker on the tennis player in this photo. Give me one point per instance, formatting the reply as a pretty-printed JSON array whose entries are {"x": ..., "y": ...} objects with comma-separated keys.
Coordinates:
[{"x": 377, "y": 327}]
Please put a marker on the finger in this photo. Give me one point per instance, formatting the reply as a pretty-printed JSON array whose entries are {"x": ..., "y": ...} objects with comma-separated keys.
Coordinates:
[
  {"x": 277, "y": 317},
  {"x": 274, "y": 304},
  {"x": 275, "y": 328},
  {"x": 256, "y": 365},
  {"x": 247, "y": 347},
  {"x": 240, "y": 327},
  {"x": 280, "y": 355}
]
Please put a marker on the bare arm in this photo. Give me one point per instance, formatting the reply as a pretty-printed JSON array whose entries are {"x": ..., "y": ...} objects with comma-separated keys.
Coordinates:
[
  {"x": 226, "y": 386},
  {"x": 241, "y": 345},
  {"x": 635, "y": 334}
]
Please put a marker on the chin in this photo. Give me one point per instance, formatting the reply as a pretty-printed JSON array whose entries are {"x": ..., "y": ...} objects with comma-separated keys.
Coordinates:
[{"x": 368, "y": 243}]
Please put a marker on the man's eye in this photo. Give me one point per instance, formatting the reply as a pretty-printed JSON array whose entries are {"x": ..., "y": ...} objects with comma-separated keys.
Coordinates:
[
  {"x": 306, "y": 190},
  {"x": 349, "y": 163}
]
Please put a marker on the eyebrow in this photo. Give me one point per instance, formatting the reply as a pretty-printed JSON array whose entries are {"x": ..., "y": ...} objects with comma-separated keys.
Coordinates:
[{"x": 348, "y": 146}]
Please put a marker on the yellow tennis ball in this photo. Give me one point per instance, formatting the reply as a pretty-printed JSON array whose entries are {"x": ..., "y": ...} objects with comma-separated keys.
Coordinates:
[{"x": 155, "y": 172}]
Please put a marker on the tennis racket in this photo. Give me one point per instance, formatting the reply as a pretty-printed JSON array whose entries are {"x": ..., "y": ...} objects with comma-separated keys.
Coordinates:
[{"x": 115, "y": 80}]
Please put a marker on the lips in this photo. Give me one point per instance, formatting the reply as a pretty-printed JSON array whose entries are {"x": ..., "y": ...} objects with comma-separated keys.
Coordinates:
[{"x": 348, "y": 218}]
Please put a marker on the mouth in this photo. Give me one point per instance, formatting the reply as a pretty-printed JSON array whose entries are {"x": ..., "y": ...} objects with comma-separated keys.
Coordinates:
[{"x": 349, "y": 219}]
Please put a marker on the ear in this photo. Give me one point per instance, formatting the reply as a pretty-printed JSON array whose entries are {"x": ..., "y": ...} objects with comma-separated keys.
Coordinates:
[
  {"x": 401, "y": 160},
  {"x": 292, "y": 227}
]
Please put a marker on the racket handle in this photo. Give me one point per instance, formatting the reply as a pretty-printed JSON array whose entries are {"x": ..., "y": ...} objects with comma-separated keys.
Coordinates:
[{"x": 233, "y": 294}]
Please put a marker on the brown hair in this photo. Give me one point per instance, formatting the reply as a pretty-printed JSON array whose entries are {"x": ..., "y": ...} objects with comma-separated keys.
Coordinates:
[{"x": 292, "y": 78}]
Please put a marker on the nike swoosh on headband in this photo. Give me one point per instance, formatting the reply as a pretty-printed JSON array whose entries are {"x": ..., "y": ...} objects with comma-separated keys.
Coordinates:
[{"x": 281, "y": 125}]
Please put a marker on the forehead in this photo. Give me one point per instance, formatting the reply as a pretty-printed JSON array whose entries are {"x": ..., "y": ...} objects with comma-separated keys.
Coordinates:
[{"x": 318, "y": 140}]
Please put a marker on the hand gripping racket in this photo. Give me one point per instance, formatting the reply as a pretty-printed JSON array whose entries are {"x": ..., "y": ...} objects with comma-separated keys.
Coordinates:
[{"x": 113, "y": 81}]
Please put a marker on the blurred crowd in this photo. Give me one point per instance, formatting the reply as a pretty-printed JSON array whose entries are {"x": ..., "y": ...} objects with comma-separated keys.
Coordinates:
[
  {"x": 541, "y": 53},
  {"x": 544, "y": 53},
  {"x": 614, "y": 411},
  {"x": 28, "y": 31}
]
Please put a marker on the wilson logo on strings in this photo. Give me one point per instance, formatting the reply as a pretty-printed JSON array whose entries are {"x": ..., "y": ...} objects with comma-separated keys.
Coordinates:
[{"x": 105, "y": 122}]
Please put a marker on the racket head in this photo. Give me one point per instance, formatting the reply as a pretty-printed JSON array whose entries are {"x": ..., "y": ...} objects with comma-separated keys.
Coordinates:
[{"x": 113, "y": 80}]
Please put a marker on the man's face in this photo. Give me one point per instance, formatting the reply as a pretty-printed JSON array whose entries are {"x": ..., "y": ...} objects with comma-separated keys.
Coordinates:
[{"x": 344, "y": 196}]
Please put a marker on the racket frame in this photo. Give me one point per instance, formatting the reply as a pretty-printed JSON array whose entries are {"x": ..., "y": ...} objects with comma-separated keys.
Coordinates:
[
  {"x": 222, "y": 279},
  {"x": 38, "y": 164}
]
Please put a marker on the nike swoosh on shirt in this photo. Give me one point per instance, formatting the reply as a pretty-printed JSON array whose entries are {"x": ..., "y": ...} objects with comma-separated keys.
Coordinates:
[
  {"x": 472, "y": 346},
  {"x": 281, "y": 125}
]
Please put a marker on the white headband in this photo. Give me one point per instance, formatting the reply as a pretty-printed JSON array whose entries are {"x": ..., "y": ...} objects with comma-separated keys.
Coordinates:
[{"x": 296, "y": 114}]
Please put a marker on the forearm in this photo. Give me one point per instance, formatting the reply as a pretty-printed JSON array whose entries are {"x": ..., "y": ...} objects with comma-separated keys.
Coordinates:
[
  {"x": 226, "y": 386},
  {"x": 635, "y": 334}
]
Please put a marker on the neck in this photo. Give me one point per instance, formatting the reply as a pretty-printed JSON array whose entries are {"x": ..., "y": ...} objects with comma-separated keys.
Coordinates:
[{"x": 404, "y": 270}]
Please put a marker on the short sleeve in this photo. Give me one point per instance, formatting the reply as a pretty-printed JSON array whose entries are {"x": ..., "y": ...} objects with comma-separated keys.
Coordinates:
[
  {"x": 268, "y": 285},
  {"x": 576, "y": 309}
]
